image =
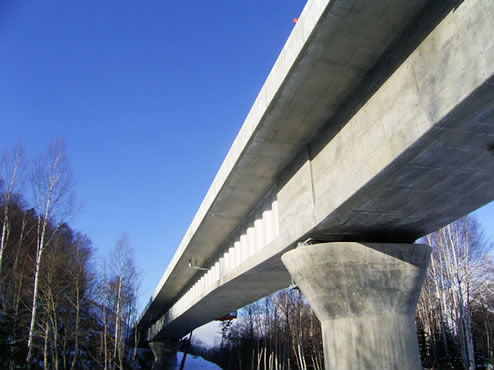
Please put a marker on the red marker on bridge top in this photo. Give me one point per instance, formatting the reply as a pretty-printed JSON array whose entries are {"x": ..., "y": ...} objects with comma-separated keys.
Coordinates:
[{"x": 295, "y": 20}]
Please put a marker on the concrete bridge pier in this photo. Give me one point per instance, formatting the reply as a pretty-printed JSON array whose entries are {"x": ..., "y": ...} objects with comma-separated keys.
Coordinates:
[
  {"x": 365, "y": 295},
  {"x": 165, "y": 353}
]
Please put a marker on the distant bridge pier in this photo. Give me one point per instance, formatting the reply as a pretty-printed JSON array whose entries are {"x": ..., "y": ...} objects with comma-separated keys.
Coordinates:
[
  {"x": 365, "y": 295},
  {"x": 165, "y": 353}
]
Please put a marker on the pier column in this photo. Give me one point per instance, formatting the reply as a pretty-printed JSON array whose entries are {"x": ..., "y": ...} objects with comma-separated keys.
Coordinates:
[
  {"x": 365, "y": 295},
  {"x": 165, "y": 353}
]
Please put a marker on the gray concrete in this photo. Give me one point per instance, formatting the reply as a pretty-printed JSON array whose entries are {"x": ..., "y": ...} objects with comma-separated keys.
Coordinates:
[
  {"x": 374, "y": 125},
  {"x": 365, "y": 296},
  {"x": 165, "y": 354},
  {"x": 330, "y": 50}
]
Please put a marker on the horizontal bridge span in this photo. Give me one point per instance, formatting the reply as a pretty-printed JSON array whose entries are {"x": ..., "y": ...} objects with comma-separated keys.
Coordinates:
[{"x": 373, "y": 125}]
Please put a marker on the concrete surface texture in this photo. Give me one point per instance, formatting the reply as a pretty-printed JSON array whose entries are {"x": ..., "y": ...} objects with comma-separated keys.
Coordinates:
[
  {"x": 374, "y": 125},
  {"x": 365, "y": 296},
  {"x": 327, "y": 55}
]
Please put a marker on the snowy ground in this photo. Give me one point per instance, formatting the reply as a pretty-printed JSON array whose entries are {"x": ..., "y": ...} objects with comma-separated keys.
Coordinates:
[{"x": 195, "y": 362}]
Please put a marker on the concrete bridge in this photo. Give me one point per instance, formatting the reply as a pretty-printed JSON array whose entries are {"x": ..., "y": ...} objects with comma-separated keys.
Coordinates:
[{"x": 374, "y": 128}]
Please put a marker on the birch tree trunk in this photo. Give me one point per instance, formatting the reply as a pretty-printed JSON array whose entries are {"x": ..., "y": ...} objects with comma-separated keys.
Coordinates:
[
  {"x": 80, "y": 278},
  {"x": 53, "y": 194},
  {"x": 122, "y": 287},
  {"x": 454, "y": 272},
  {"x": 77, "y": 318},
  {"x": 104, "y": 343},
  {"x": 11, "y": 164},
  {"x": 39, "y": 253},
  {"x": 45, "y": 352},
  {"x": 117, "y": 321}
]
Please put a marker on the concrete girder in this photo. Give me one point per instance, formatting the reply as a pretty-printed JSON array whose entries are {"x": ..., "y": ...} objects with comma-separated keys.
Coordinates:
[
  {"x": 332, "y": 47},
  {"x": 405, "y": 155}
]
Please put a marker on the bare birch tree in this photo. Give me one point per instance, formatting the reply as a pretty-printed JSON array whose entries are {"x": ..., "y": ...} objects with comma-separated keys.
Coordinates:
[
  {"x": 460, "y": 251},
  {"x": 456, "y": 278},
  {"x": 80, "y": 276},
  {"x": 278, "y": 332},
  {"x": 11, "y": 166},
  {"x": 120, "y": 291},
  {"x": 52, "y": 185}
]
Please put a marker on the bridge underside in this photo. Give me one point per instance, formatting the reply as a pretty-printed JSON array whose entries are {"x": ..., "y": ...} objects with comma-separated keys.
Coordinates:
[
  {"x": 409, "y": 151},
  {"x": 445, "y": 175}
]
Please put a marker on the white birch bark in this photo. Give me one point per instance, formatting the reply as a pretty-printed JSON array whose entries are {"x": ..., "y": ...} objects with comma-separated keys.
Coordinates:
[
  {"x": 11, "y": 163},
  {"x": 52, "y": 191}
]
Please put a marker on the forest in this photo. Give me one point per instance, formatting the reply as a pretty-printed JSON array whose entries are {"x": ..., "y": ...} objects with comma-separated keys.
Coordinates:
[
  {"x": 58, "y": 308},
  {"x": 61, "y": 310}
]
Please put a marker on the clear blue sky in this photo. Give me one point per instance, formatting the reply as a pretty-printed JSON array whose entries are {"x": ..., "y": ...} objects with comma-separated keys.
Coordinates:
[{"x": 148, "y": 96}]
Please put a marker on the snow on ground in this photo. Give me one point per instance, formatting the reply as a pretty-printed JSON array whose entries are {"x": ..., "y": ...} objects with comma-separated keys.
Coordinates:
[{"x": 195, "y": 363}]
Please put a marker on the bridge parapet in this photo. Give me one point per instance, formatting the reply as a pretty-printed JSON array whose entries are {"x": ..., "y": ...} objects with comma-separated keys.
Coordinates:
[{"x": 258, "y": 231}]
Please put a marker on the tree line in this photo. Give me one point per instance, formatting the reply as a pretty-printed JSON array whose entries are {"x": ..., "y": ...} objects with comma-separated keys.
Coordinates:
[
  {"x": 454, "y": 318},
  {"x": 455, "y": 312},
  {"x": 58, "y": 308}
]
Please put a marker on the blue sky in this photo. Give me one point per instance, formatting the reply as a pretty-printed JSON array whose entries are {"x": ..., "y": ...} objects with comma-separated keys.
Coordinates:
[{"x": 148, "y": 96}]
